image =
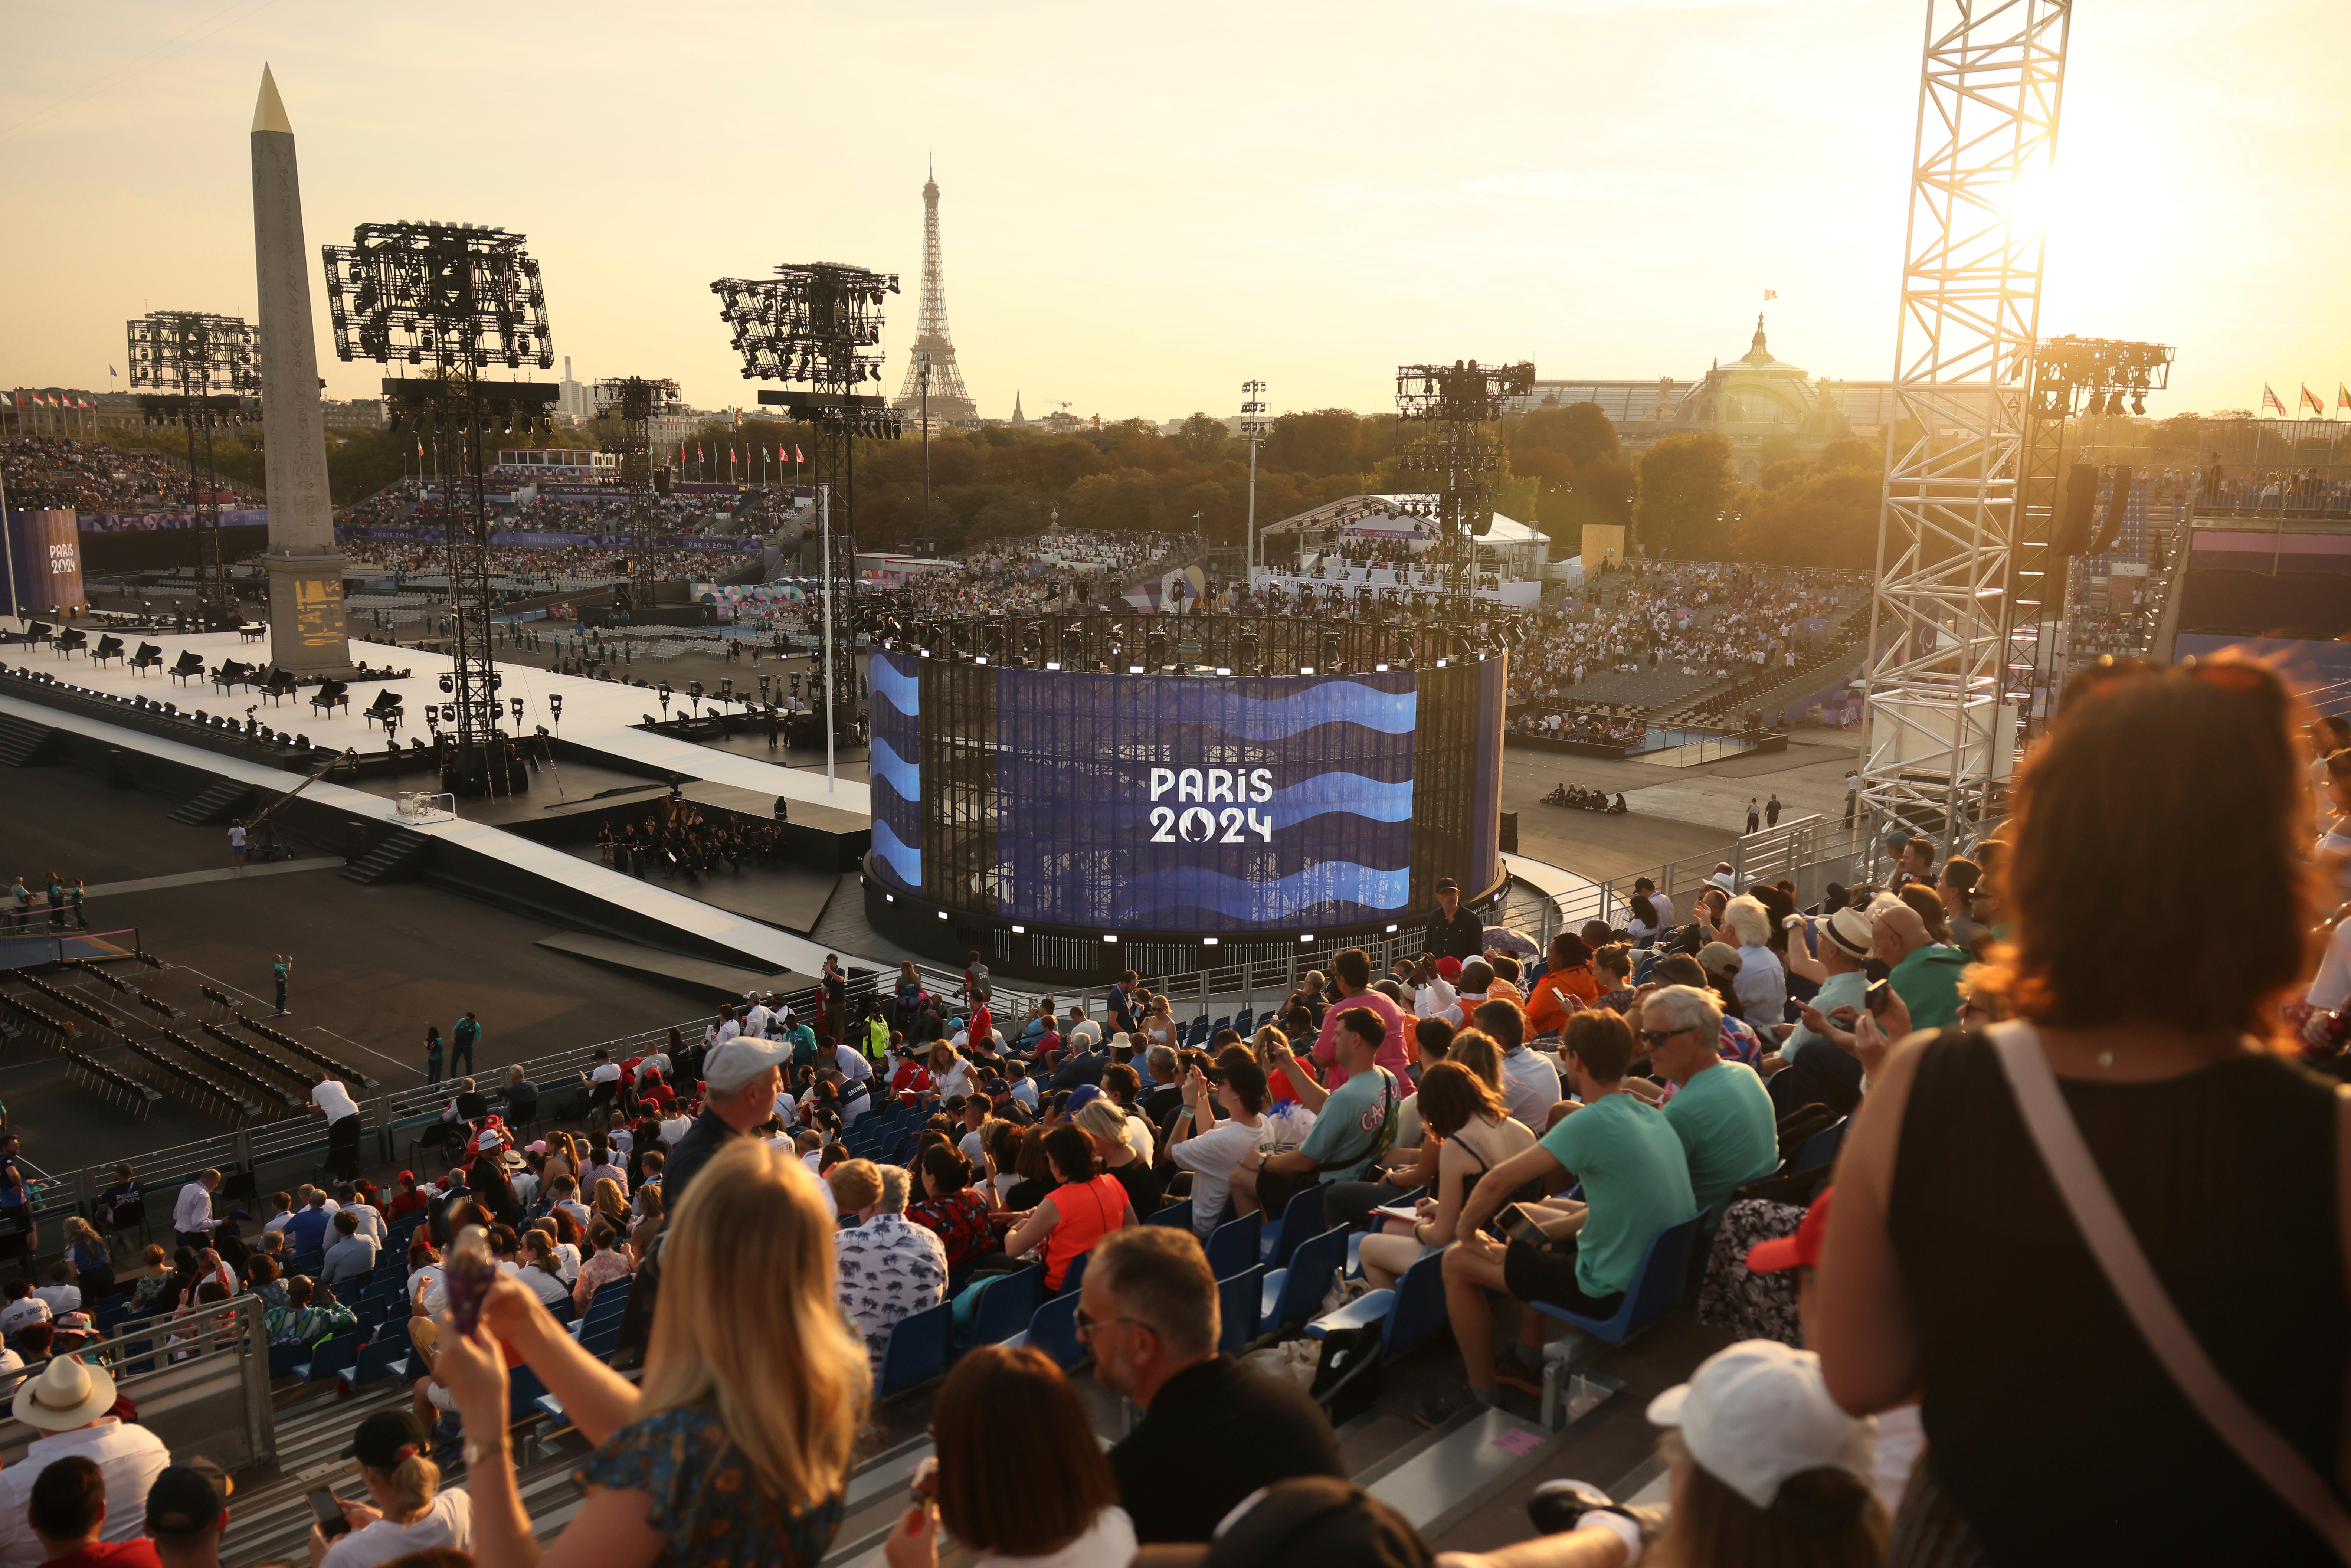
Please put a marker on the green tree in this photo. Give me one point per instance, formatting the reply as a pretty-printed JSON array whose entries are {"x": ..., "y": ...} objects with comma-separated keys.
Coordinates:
[
  {"x": 1324, "y": 442},
  {"x": 1578, "y": 432},
  {"x": 1685, "y": 494},
  {"x": 1829, "y": 519},
  {"x": 1202, "y": 437},
  {"x": 1853, "y": 451}
]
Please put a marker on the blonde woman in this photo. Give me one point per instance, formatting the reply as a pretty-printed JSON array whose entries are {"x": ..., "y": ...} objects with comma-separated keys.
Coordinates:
[
  {"x": 407, "y": 1510},
  {"x": 610, "y": 1205},
  {"x": 563, "y": 1157},
  {"x": 737, "y": 1445}
]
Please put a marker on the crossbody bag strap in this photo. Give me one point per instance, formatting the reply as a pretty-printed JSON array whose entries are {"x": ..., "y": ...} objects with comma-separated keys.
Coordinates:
[{"x": 2100, "y": 1220}]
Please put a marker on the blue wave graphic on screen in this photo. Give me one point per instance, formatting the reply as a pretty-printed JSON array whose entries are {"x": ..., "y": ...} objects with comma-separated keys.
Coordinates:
[
  {"x": 897, "y": 855},
  {"x": 905, "y": 691},
  {"x": 1325, "y": 702},
  {"x": 1238, "y": 898},
  {"x": 1375, "y": 798},
  {"x": 906, "y": 778}
]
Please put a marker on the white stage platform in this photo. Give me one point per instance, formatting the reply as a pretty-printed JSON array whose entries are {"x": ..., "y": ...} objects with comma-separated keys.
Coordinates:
[
  {"x": 600, "y": 721},
  {"x": 597, "y": 715}
]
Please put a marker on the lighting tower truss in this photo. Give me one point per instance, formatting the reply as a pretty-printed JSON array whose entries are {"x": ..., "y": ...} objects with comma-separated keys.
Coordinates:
[
  {"x": 627, "y": 407},
  {"x": 1459, "y": 460},
  {"x": 455, "y": 298},
  {"x": 1940, "y": 738},
  {"x": 821, "y": 324},
  {"x": 2064, "y": 377},
  {"x": 199, "y": 370}
]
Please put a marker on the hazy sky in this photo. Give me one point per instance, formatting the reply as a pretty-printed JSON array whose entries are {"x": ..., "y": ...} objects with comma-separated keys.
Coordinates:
[{"x": 1145, "y": 205}]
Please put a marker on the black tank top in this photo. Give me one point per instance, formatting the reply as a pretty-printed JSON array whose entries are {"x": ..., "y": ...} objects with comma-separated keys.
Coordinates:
[{"x": 2049, "y": 1422}]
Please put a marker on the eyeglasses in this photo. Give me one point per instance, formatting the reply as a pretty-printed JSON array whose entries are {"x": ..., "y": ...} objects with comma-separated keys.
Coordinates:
[
  {"x": 1086, "y": 1327},
  {"x": 1654, "y": 1038}
]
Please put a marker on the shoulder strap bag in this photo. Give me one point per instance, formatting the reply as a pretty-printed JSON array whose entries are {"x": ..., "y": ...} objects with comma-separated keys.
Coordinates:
[{"x": 2100, "y": 1220}]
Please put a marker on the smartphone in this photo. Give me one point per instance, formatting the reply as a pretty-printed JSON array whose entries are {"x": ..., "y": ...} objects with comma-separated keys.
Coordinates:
[
  {"x": 329, "y": 1513},
  {"x": 1875, "y": 998}
]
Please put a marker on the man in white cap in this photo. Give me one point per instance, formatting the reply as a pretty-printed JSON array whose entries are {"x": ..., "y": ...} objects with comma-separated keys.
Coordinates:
[
  {"x": 755, "y": 1014},
  {"x": 69, "y": 1403},
  {"x": 739, "y": 1080},
  {"x": 1813, "y": 1067}
]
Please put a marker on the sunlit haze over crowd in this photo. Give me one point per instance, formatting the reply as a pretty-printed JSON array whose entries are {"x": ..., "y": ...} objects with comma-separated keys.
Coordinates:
[{"x": 1144, "y": 206}]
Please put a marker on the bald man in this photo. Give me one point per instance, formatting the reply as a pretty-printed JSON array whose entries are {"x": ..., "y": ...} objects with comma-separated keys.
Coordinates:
[{"x": 1926, "y": 976}]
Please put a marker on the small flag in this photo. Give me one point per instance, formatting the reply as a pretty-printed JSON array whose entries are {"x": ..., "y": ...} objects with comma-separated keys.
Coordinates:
[
  {"x": 2342, "y": 396},
  {"x": 1770, "y": 294},
  {"x": 2270, "y": 404},
  {"x": 796, "y": 456},
  {"x": 730, "y": 457},
  {"x": 2311, "y": 399},
  {"x": 697, "y": 451},
  {"x": 109, "y": 373},
  {"x": 420, "y": 449}
]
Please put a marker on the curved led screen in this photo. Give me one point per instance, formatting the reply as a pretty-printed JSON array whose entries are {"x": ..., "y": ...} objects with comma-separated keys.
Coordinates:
[{"x": 1183, "y": 803}]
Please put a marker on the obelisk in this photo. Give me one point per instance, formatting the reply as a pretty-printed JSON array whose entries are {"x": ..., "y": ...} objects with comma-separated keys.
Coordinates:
[{"x": 308, "y": 634}]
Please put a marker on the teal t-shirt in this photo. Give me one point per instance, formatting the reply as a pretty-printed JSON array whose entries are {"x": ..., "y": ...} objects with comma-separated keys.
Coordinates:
[
  {"x": 1636, "y": 1178},
  {"x": 803, "y": 1041},
  {"x": 1724, "y": 1119},
  {"x": 1349, "y": 1125}
]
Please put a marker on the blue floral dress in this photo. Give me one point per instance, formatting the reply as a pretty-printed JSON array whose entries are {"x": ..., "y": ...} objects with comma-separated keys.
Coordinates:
[{"x": 704, "y": 1499}]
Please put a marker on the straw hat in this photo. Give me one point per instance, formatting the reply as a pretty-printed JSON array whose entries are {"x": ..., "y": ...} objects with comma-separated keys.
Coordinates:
[{"x": 66, "y": 1394}]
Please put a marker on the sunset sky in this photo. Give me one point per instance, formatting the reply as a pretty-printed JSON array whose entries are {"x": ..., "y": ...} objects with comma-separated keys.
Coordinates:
[{"x": 1147, "y": 206}]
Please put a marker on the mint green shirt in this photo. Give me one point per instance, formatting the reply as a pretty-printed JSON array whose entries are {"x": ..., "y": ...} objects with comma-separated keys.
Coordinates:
[
  {"x": 1348, "y": 1126},
  {"x": 1723, "y": 1117},
  {"x": 1634, "y": 1177}
]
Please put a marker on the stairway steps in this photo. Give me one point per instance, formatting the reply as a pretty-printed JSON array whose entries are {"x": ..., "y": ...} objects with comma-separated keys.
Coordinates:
[
  {"x": 398, "y": 856},
  {"x": 217, "y": 804},
  {"x": 24, "y": 744}
]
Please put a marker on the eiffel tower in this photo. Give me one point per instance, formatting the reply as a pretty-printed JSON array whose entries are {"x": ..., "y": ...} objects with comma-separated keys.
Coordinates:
[{"x": 949, "y": 401}]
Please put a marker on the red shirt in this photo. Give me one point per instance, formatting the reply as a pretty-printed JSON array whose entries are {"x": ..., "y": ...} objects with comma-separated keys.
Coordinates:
[
  {"x": 137, "y": 1553},
  {"x": 911, "y": 1078},
  {"x": 408, "y": 1203},
  {"x": 661, "y": 1095}
]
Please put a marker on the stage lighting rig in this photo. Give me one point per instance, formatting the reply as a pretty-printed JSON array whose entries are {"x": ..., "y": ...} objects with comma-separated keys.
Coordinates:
[
  {"x": 821, "y": 324},
  {"x": 198, "y": 371},
  {"x": 1459, "y": 461},
  {"x": 626, "y": 409},
  {"x": 2064, "y": 377},
  {"x": 454, "y": 300}
]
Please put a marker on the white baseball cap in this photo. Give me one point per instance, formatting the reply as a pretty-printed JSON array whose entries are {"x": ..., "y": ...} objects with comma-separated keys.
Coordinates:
[
  {"x": 730, "y": 1066},
  {"x": 1758, "y": 1412}
]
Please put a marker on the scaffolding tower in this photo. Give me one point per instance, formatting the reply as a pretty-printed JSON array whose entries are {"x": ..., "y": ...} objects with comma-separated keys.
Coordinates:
[{"x": 1940, "y": 734}]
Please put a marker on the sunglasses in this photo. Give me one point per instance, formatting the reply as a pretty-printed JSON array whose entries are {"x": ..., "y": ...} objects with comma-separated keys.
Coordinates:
[
  {"x": 1085, "y": 1327},
  {"x": 2226, "y": 674},
  {"x": 1654, "y": 1038}
]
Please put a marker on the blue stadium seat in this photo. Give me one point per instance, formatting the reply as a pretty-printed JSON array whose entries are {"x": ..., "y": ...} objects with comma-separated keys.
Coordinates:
[
  {"x": 524, "y": 1391},
  {"x": 1237, "y": 1303},
  {"x": 1409, "y": 1315},
  {"x": 1822, "y": 1147},
  {"x": 1295, "y": 1293},
  {"x": 1243, "y": 1021},
  {"x": 1178, "y": 1213},
  {"x": 329, "y": 1357},
  {"x": 1656, "y": 1287},
  {"x": 1232, "y": 1245},
  {"x": 918, "y": 1348},
  {"x": 380, "y": 1357},
  {"x": 1053, "y": 1329},
  {"x": 1074, "y": 1276},
  {"x": 284, "y": 1358},
  {"x": 1006, "y": 1305},
  {"x": 1303, "y": 1218}
]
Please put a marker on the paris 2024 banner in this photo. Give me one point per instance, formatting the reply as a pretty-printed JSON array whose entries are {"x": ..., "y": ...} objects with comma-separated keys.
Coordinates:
[{"x": 1173, "y": 803}]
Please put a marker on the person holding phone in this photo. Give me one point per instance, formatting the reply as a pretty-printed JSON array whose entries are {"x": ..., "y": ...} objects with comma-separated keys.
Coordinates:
[
  {"x": 410, "y": 1512},
  {"x": 1476, "y": 1134}
]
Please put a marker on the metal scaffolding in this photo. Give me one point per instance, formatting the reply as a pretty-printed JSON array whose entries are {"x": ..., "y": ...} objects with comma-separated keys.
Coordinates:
[
  {"x": 1940, "y": 735},
  {"x": 628, "y": 407},
  {"x": 205, "y": 373}
]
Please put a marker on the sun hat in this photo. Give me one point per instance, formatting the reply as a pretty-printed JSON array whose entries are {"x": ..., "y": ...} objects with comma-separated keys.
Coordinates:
[
  {"x": 1850, "y": 930},
  {"x": 1758, "y": 1412},
  {"x": 67, "y": 1394},
  {"x": 1449, "y": 968}
]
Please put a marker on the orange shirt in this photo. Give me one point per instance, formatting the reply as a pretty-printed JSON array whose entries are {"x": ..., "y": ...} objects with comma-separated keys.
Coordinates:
[{"x": 1547, "y": 1014}]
